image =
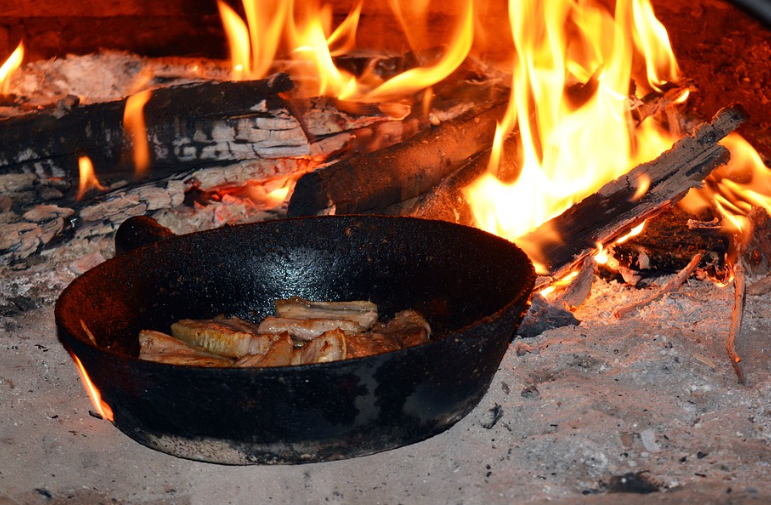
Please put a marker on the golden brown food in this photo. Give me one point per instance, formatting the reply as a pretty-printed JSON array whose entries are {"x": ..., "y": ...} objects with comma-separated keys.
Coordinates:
[
  {"x": 280, "y": 353},
  {"x": 329, "y": 346},
  {"x": 363, "y": 313},
  {"x": 162, "y": 348},
  {"x": 306, "y": 329},
  {"x": 302, "y": 332},
  {"x": 226, "y": 337}
]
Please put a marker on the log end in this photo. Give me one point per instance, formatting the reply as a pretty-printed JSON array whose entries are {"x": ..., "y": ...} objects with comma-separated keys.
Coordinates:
[{"x": 309, "y": 197}]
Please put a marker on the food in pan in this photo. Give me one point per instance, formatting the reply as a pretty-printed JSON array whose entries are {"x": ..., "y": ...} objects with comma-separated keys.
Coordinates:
[{"x": 301, "y": 332}]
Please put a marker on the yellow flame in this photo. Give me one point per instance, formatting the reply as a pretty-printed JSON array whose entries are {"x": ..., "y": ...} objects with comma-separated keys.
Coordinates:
[
  {"x": 644, "y": 183},
  {"x": 134, "y": 124},
  {"x": 569, "y": 148},
  {"x": 419, "y": 78},
  {"x": 601, "y": 256},
  {"x": 238, "y": 41},
  {"x": 736, "y": 188},
  {"x": 653, "y": 41},
  {"x": 303, "y": 28},
  {"x": 632, "y": 233},
  {"x": 9, "y": 67},
  {"x": 94, "y": 395},
  {"x": 559, "y": 283},
  {"x": 88, "y": 178},
  {"x": 343, "y": 39}
]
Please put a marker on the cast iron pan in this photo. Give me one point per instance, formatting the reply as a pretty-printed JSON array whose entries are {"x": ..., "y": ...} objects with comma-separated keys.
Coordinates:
[{"x": 472, "y": 287}]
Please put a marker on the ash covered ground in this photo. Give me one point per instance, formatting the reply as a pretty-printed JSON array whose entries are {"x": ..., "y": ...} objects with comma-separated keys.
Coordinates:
[{"x": 577, "y": 414}]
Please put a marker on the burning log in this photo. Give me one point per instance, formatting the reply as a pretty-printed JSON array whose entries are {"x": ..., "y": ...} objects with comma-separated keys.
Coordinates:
[
  {"x": 180, "y": 122},
  {"x": 185, "y": 126},
  {"x": 605, "y": 215},
  {"x": 395, "y": 174}
]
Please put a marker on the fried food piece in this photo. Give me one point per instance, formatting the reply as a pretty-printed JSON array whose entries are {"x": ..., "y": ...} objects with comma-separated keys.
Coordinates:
[
  {"x": 368, "y": 344},
  {"x": 363, "y": 313},
  {"x": 329, "y": 346},
  {"x": 163, "y": 348},
  {"x": 407, "y": 328},
  {"x": 280, "y": 353},
  {"x": 306, "y": 329},
  {"x": 230, "y": 337}
]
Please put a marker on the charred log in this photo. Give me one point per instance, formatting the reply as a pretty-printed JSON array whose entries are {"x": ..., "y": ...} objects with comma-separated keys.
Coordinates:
[
  {"x": 187, "y": 126},
  {"x": 669, "y": 242},
  {"x": 188, "y": 123},
  {"x": 395, "y": 174}
]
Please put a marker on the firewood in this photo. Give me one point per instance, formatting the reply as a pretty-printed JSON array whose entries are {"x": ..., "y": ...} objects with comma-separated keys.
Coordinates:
[
  {"x": 737, "y": 317},
  {"x": 755, "y": 253},
  {"x": 577, "y": 291},
  {"x": 187, "y": 126},
  {"x": 611, "y": 211},
  {"x": 670, "y": 286},
  {"x": 669, "y": 241},
  {"x": 183, "y": 119},
  {"x": 376, "y": 180},
  {"x": 446, "y": 202}
]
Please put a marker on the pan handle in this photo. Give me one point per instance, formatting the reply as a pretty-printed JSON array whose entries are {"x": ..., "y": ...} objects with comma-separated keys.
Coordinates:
[{"x": 138, "y": 231}]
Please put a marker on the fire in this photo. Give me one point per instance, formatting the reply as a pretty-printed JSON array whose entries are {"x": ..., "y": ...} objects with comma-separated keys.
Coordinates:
[
  {"x": 134, "y": 124},
  {"x": 632, "y": 233},
  {"x": 88, "y": 178},
  {"x": 311, "y": 44},
  {"x": 9, "y": 67},
  {"x": 567, "y": 148},
  {"x": 736, "y": 188},
  {"x": 100, "y": 405}
]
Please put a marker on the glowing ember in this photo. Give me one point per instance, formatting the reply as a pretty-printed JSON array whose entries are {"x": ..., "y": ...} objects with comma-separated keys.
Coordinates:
[
  {"x": 88, "y": 179},
  {"x": 11, "y": 64},
  {"x": 601, "y": 256},
  {"x": 134, "y": 123},
  {"x": 568, "y": 150},
  {"x": 100, "y": 405}
]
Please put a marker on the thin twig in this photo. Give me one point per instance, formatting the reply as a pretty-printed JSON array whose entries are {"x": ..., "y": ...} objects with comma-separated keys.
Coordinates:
[
  {"x": 672, "y": 285},
  {"x": 737, "y": 315}
]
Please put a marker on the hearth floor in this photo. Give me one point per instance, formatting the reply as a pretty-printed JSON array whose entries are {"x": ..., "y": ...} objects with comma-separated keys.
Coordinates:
[{"x": 566, "y": 412}]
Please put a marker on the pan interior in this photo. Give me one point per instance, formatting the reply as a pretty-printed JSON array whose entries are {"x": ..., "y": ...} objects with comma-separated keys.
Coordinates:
[{"x": 454, "y": 275}]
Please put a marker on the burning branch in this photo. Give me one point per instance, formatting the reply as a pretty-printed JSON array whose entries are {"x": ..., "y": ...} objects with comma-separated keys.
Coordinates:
[
  {"x": 670, "y": 286},
  {"x": 737, "y": 316}
]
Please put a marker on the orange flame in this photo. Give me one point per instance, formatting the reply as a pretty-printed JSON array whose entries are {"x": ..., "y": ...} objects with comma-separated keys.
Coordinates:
[
  {"x": 100, "y": 405},
  {"x": 632, "y": 233},
  {"x": 9, "y": 67},
  {"x": 568, "y": 150},
  {"x": 422, "y": 77},
  {"x": 134, "y": 124},
  {"x": 88, "y": 178},
  {"x": 736, "y": 188},
  {"x": 254, "y": 44}
]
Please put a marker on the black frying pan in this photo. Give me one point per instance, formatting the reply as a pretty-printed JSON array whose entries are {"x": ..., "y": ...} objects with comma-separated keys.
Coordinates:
[{"x": 471, "y": 286}]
